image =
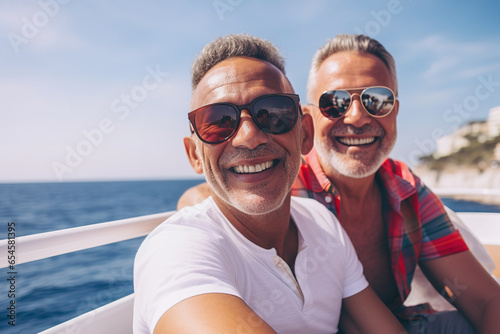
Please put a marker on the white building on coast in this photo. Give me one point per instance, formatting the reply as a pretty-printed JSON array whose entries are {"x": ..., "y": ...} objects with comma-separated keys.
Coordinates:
[
  {"x": 482, "y": 130},
  {"x": 494, "y": 122}
]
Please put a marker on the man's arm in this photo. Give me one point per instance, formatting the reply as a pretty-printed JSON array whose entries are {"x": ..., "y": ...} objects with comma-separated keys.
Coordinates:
[
  {"x": 194, "y": 195},
  {"x": 465, "y": 283},
  {"x": 469, "y": 287},
  {"x": 212, "y": 313},
  {"x": 364, "y": 313}
]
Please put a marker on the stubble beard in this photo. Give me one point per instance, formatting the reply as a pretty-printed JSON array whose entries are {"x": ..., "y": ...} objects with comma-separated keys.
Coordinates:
[
  {"x": 254, "y": 200},
  {"x": 355, "y": 165}
]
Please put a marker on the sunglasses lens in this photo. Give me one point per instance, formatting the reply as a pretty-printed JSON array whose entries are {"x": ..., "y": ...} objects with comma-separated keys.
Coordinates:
[
  {"x": 216, "y": 123},
  {"x": 275, "y": 114},
  {"x": 378, "y": 101},
  {"x": 334, "y": 103}
]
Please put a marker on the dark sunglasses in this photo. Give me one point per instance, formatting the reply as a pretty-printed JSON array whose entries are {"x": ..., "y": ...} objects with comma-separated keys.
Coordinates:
[
  {"x": 377, "y": 101},
  {"x": 273, "y": 113}
]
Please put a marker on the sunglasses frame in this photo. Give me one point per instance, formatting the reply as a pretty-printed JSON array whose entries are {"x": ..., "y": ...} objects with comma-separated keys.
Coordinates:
[
  {"x": 362, "y": 89},
  {"x": 249, "y": 107}
]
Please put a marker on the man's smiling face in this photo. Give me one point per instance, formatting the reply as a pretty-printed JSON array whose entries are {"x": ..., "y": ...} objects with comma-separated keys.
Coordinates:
[
  {"x": 355, "y": 144},
  {"x": 253, "y": 171}
]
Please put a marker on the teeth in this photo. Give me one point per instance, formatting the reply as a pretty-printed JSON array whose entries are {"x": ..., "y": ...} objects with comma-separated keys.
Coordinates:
[
  {"x": 356, "y": 141},
  {"x": 245, "y": 169}
]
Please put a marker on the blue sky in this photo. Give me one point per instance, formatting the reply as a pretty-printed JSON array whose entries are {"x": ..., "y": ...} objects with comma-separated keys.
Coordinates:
[{"x": 95, "y": 90}]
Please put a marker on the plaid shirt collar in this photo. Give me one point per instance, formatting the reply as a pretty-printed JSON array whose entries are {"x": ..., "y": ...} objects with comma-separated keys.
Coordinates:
[
  {"x": 319, "y": 181},
  {"x": 397, "y": 188}
]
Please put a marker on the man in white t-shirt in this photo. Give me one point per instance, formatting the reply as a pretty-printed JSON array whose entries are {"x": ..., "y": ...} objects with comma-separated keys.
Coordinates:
[{"x": 250, "y": 258}]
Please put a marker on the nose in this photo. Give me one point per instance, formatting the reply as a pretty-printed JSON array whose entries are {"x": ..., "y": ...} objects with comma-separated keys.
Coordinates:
[
  {"x": 249, "y": 135},
  {"x": 356, "y": 115}
]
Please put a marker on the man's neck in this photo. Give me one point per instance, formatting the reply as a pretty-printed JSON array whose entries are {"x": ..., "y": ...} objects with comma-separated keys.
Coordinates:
[
  {"x": 275, "y": 229},
  {"x": 359, "y": 197},
  {"x": 352, "y": 189}
]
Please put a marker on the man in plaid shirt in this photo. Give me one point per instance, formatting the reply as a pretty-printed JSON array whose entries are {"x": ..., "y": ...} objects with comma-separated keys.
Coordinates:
[{"x": 393, "y": 220}]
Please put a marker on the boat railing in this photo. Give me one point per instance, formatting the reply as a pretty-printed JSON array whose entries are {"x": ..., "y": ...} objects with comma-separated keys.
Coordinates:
[
  {"x": 48, "y": 244},
  {"x": 444, "y": 192},
  {"x": 108, "y": 318}
]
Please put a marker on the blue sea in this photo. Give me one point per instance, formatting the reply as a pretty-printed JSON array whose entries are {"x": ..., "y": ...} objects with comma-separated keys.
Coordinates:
[{"x": 54, "y": 290}]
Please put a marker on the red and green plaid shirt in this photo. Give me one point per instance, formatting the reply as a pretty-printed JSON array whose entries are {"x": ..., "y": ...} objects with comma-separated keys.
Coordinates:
[{"x": 435, "y": 235}]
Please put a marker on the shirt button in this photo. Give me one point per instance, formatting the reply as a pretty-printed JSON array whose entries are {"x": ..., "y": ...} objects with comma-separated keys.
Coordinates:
[{"x": 328, "y": 199}]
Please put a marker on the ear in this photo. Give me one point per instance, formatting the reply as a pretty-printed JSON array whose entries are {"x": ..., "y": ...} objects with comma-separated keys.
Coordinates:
[
  {"x": 306, "y": 109},
  {"x": 307, "y": 133},
  {"x": 194, "y": 159}
]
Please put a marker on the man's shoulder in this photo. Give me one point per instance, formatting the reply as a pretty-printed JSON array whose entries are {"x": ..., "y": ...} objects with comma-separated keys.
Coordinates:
[
  {"x": 200, "y": 221},
  {"x": 192, "y": 233},
  {"x": 189, "y": 215},
  {"x": 307, "y": 204},
  {"x": 312, "y": 213}
]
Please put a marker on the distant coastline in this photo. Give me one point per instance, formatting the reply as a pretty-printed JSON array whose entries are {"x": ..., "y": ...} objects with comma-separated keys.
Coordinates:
[
  {"x": 468, "y": 158},
  {"x": 460, "y": 178}
]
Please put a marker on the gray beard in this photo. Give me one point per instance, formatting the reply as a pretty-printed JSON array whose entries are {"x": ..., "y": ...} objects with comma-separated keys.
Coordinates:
[
  {"x": 357, "y": 165},
  {"x": 248, "y": 205}
]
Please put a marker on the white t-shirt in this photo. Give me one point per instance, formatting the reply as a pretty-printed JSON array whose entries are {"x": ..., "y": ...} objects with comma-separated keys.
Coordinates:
[{"x": 198, "y": 251}]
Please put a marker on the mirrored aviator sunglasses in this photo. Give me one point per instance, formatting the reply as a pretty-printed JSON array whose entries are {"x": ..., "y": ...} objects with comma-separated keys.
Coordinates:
[
  {"x": 218, "y": 122},
  {"x": 378, "y": 101}
]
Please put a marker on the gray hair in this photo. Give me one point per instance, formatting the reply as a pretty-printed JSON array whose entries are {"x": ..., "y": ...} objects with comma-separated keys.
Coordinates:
[
  {"x": 234, "y": 46},
  {"x": 346, "y": 43}
]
